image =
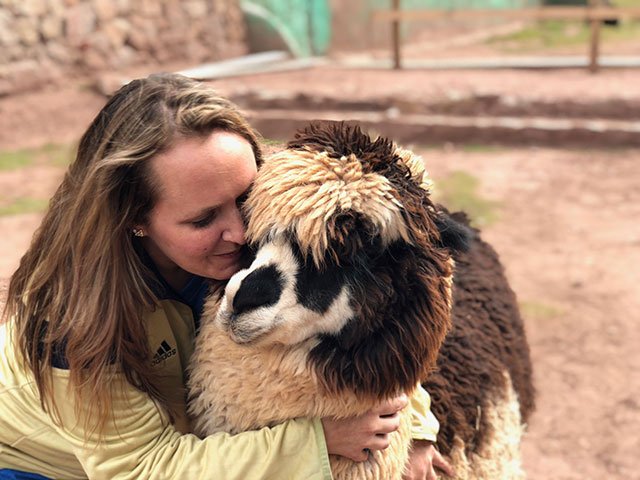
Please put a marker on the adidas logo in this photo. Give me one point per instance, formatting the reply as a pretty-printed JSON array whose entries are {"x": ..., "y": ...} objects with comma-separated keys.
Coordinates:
[{"x": 164, "y": 351}]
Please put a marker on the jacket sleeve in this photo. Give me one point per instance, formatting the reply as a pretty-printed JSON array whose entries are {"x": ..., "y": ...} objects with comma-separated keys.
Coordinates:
[
  {"x": 139, "y": 442},
  {"x": 424, "y": 425}
]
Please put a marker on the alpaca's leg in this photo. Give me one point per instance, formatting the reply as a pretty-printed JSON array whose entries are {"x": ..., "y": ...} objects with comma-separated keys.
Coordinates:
[{"x": 499, "y": 458}]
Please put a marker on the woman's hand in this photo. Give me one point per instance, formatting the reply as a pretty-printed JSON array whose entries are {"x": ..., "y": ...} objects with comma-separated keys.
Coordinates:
[
  {"x": 354, "y": 437},
  {"x": 423, "y": 460}
]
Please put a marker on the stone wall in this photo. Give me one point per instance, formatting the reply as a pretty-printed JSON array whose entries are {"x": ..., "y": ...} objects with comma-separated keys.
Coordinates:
[{"x": 47, "y": 40}]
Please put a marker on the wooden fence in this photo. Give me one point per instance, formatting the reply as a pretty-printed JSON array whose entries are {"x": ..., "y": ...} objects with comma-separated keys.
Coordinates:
[{"x": 593, "y": 14}]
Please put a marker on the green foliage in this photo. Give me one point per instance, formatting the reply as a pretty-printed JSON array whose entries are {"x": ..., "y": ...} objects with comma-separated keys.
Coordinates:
[
  {"x": 24, "y": 205},
  {"x": 539, "y": 310},
  {"x": 625, "y": 3},
  {"x": 14, "y": 159},
  {"x": 57, "y": 155},
  {"x": 459, "y": 191},
  {"x": 552, "y": 34},
  {"x": 50, "y": 154},
  {"x": 270, "y": 142}
]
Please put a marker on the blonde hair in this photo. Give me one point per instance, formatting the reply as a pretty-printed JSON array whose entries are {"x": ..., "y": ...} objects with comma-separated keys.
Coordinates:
[{"x": 80, "y": 289}]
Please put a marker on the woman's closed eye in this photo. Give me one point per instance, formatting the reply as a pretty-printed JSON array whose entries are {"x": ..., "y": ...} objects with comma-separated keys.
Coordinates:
[{"x": 204, "y": 221}]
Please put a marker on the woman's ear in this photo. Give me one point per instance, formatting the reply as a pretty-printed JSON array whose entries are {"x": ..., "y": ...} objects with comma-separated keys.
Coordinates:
[{"x": 139, "y": 231}]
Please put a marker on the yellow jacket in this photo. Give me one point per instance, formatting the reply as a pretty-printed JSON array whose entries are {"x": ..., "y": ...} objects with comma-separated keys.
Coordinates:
[{"x": 138, "y": 441}]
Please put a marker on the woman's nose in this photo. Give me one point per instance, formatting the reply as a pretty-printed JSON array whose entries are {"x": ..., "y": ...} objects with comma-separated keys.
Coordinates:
[{"x": 234, "y": 229}]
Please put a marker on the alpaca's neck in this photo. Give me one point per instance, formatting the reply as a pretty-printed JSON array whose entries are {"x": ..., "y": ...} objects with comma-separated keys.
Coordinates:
[{"x": 238, "y": 387}]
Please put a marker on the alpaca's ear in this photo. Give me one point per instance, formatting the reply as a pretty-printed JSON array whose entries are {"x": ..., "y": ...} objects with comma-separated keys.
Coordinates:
[{"x": 455, "y": 233}]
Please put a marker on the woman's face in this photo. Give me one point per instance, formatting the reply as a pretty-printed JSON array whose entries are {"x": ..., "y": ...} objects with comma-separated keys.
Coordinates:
[{"x": 196, "y": 225}]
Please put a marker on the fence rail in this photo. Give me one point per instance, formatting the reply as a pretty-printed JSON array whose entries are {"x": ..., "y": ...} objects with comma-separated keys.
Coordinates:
[{"x": 593, "y": 14}]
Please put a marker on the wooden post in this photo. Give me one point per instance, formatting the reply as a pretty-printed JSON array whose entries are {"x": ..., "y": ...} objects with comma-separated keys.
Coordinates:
[
  {"x": 594, "y": 49},
  {"x": 395, "y": 36}
]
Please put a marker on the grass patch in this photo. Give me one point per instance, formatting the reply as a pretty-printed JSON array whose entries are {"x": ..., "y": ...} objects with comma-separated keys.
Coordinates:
[
  {"x": 552, "y": 34},
  {"x": 24, "y": 205},
  {"x": 271, "y": 142},
  {"x": 463, "y": 147},
  {"x": 459, "y": 191},
  {"x": 15, "y": 159},
  {"x": 539, "y": 310},
  {"x": 269, "y": 146},
  {"x": 625, "y": 3},
  {"x": 56, "y": 155}
]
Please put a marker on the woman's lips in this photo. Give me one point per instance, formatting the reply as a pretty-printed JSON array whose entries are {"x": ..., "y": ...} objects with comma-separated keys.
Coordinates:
[{"x": 232, "y": 254}]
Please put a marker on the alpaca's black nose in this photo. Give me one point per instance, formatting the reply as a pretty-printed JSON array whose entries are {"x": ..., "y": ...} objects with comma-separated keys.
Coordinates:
[{"x": 261, "y": 288}]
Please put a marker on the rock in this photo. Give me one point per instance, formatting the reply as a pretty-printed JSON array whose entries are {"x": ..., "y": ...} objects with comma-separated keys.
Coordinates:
[
  {"x": 107, "y": 83},
  {"x": 13, "y": 53},
  {"x": 148, "y": 8},
  {"x": 58, "y": 53},
  {"x": 126, "y": 56},
  {"x": 56, "y": 8},
  {"x": 198, "y": 52},
  {"x": 116, "y": 31},
  {"x": 195, "y": 8},
  {"x": 105, "y": 10},
  {"x": 174, "y": 16},
  {"x": 7, "y": 34},
  {"x": 51, "y": 27},
  {"x": 137, "y": 40},
  {"x": 93, "y": 59},
  {"x": 22, "y": 76},
  {"x": 142, "y": 33},
  {"x": 30, "y": 8},
  {"x": 103, "y": 34},
  {"x": 100, "y": 43},
  {"x": 80, "y": 21},
  {"x": 6, "y": 88},
  {"x": 124, "y": 6},
  {"x": 26, "y": 29}
]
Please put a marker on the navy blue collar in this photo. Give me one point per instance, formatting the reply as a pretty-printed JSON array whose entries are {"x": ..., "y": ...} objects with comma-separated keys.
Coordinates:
[{"x": 193, "y": 294}]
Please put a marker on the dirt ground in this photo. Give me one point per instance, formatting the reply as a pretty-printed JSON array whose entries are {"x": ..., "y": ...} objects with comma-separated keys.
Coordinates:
[{"x": 567, "y": 232}]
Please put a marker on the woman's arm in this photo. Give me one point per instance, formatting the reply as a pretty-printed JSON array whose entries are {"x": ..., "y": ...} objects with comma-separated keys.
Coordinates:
[
  {"x": 424, "y": 425},
  {"x": 138, "y": 442},
  {"x": 423, "y": 457}
]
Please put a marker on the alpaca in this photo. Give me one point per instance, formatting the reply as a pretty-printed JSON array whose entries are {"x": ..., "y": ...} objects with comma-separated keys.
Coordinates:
[{"x": 349, "y": 300}]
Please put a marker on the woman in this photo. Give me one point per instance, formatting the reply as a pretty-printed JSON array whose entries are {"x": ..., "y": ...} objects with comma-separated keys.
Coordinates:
[{"x": 104, "y": 307}]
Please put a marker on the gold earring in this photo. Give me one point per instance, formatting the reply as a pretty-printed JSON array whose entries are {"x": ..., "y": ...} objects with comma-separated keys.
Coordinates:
[{"x": 138, "y": 232}]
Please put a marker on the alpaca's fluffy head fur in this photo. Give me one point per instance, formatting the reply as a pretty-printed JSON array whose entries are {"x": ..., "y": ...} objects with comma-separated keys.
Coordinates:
[{"x": 352, "y": 261}]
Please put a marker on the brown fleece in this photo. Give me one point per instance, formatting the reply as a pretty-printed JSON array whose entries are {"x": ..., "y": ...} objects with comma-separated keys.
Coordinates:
[
  {"x": 487, "y": 339},
  {"x": 363, "y": 205}
]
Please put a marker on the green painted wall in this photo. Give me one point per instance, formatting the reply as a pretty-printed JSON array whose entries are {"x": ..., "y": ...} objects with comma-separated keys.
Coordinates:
[
  {"x": 301, "y": 26},
  {"x": 304, "y": 27}
]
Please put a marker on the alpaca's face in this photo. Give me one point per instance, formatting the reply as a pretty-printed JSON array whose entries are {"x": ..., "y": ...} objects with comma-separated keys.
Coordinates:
[
  {"x": 349, "y": 260},
  {"x": 283, "y": 298}
]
